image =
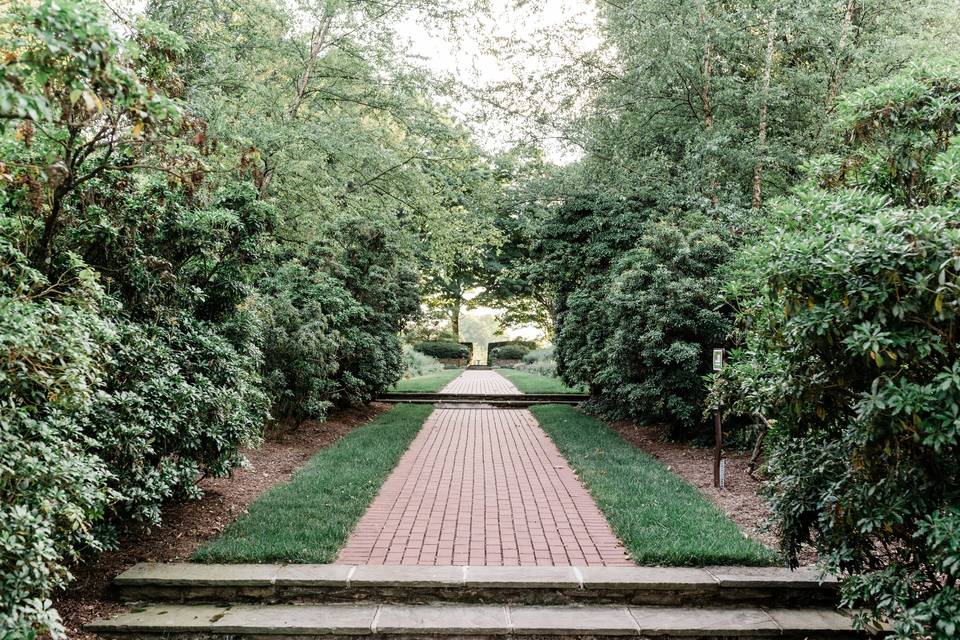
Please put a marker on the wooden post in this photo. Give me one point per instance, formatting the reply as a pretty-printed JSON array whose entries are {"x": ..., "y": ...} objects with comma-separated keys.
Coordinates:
[
  {"x": 718, "y": 435},
  {"x": 718, "y": 358}
]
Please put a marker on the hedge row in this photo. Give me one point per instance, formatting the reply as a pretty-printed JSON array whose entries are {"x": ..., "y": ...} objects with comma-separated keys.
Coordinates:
[{"x": 444, "y": 350}]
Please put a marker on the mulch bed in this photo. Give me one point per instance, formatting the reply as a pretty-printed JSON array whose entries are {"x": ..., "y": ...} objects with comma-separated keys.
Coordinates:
[
  {"x": 188, "y": 525},
  {"x": 739, "y": 498}
]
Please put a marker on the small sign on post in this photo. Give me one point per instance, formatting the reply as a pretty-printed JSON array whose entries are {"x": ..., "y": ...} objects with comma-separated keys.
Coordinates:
[
  {"x": 718, "y": 359},
  {"x": 718, "y": 355}
]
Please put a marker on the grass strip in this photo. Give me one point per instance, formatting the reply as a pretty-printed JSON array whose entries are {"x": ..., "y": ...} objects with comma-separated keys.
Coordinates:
[
  {"x": 660, "y": 518},
  {"x": 309, "y": 518},
  {"x": 430, "y": 383},
  {"x": 528, "y": 382}
]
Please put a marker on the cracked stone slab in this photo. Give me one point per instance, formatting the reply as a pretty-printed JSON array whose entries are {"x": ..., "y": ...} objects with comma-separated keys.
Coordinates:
[
  {"x": 804, "y": 577},
  {"x": 406, "y": 576},
  {"x": 661, "y": 578},
  {"x": 700, "y": 621},
  {"x": 573, "y": 621},
  {"x": 505, "y": 577},
  {"x": 163, "y": 619},
  {"x": 448, "y": 619},
  {"x": 171, "y": 574},
  {"x": 298, "y": 619}
]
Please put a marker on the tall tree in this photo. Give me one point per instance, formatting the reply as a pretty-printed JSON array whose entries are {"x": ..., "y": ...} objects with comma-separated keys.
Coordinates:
[{"x": 764, "y": 107}]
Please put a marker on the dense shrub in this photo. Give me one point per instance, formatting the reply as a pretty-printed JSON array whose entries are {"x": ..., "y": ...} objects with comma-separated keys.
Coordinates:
[
  {"x": 329, "y": 333},
  {"x": 512, "y": 351},
  {"x": 637, "y": 309},
  {"x": 166, "y": 355},
  {"x": 106, "y": 416},
  {"x": 443, "y": 350},
  {"x": 418, "y": 364},
  {"x": 301, "y": 308},
  {"x": 850, "y": 312},
  {"x": 540, "y": 361},
  {"x": 177, "y": 403},
  {"x": 52, "y": 488}
]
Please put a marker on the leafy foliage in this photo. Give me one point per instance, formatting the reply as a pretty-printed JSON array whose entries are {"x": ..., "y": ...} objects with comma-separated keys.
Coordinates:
[
  {"x": 850, "y": 311},
  {"x": 188, "y": 248},
  {"x": 51, "y": 486},
  {"x": 510, "y": 351},
  {"x": 540, "y": 361},
  {"x": 418, "y": 364},
  {"x": 443, "y": 350},
  {"x": 683, "y": 123},
  {"x": 636, "y": 306}
]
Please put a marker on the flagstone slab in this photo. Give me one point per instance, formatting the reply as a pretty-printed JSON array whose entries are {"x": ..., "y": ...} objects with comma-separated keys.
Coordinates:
[
  {"x": 298, "y": 619},
  {"x": 573, "y": 621},
  {"x": 164, "y": 619},
  {"x": 666, "y": 578},
  {"x": 391, "y": 620},
  {"x": 198, "y": 574},
  {"x": 809, "y": 577},
  {"x": 448, "y": 619},
  {"x": 314, "y": 575},
  {"x": 530, "y": 585},
  {"x": 407, "y": 576},
  {"x": 819, "y": 620},
  {"x": 694, "y": 621},
  {"x": 514, "y": 577}
]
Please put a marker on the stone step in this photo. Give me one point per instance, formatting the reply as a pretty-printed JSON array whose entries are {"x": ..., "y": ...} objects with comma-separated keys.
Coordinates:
[
  {"x": 264, "y": 583},
  {"x": 494, "y": 399},
  {"x": 471, "y": 621}
]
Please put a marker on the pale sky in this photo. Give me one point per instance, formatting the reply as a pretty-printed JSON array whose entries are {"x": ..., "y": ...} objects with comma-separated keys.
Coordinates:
[{"x": 466, "y": 55}]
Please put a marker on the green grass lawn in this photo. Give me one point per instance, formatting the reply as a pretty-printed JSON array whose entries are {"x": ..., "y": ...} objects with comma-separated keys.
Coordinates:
[
  {"x": 430, "y": 383},
  {"x": 659, "y": 517},
  {"x": 309, "y": 518},
  {"x": 528, "y": 382}
]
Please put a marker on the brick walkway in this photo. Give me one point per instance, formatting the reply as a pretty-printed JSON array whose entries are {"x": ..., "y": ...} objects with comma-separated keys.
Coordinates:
[
  {"x": 480, "y": 381},
  {"x": 483, "y": 487}
]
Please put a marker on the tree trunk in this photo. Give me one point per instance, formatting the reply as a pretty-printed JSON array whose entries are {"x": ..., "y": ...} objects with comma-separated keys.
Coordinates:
[
  {"x": 836, "y": 78},
  {"x": 758, "y": 444},
  {"x": 318, "y": 41},
  {"x": 764, "y": 101},
  {"x": 706, "y": 99},
  {"x": 707, "y": 69},
  {"x": 455, "y": 321}
]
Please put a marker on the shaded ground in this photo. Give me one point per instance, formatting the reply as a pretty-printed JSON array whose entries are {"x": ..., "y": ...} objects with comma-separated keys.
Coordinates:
[
  {"x": 188, "y": 525},
  {"x": 739, "y": 499}
]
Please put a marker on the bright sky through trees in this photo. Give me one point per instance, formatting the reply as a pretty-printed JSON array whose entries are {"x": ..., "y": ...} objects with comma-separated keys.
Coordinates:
[{"x": 498, "y": 49}]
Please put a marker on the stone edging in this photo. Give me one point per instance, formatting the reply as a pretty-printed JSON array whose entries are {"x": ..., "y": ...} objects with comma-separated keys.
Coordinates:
[{"x": 525, "y": 585}]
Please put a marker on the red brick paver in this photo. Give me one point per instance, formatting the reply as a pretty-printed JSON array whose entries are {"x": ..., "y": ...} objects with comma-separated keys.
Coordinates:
[
  {"x": 481, "y": 381},
  {"x": 483, "y": 487}
]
